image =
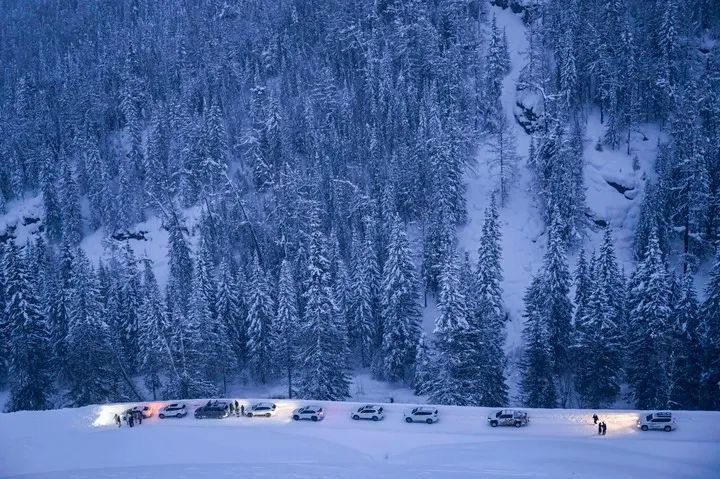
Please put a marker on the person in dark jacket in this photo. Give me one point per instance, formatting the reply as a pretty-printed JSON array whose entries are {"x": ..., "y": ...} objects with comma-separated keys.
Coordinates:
[
  {"x": 237, "y": 406},
  {"x": 232, "y": 408},
  {"x": 131, "y": 421},
  {"x": 118, "y": 421},
  {"x": 242, "y": 409},
  {"x": 600, "y": 428},
  {"x": 595, "y": 418},
  {"x": 139, "y": 417},
  {"x": 604, "y": 428}
]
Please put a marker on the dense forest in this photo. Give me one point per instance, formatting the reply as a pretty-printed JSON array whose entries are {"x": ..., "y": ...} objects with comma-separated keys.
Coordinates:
[{"x": 324, "y": 145}]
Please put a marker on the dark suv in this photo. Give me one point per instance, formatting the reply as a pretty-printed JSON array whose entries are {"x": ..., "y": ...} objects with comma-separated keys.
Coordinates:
[{"x": 213, "y": 410}]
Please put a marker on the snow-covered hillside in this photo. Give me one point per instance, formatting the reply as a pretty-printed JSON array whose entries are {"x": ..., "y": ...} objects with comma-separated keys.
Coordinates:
[{"x": 85, "y": 443}]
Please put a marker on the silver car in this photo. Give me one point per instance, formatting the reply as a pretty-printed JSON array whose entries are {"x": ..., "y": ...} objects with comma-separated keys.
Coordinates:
[
  {"x": 508, "y": 417},
  {"x": 310, "y": 413},
  {"x": 262, "y": 409},
  {"x": 173, "y": 410},
  {"x": 427, "y": 415}
]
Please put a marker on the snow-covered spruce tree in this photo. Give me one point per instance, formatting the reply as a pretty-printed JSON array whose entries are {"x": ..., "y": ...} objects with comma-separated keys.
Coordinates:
[
  {"x": 457, "y": 376},
  {"x": 158, "y": 181},
  {"x": 496, "y": 66},
  {"x": 285, "y": 327},
  {"x": 582, "y": 285},
  {"x": 399, "y": 309},
  {"x": 231, "y": 311},
  {"x": 488, "y": 315},
  {"x": 51, "y": 203},
  {"x": 127, "y": 282},
  {"x": 596, "y": 350},
  {"x": 557, "y": 307},
  {"x": 92, "y": 364},
  {"x": 180, "y": 268},
  {"x": 25, "y": 329},
  {"x": 538, "y": 384},
  {"x": 361, "y": 325},
  {"x": 214, "y": 331},
  {"x": 650, "y": 316},
  {"x": 685, "y": 360},
  {"x": 154, "y": 351},
  {"x": 710, "y": 327},
  {"x": 322, "y": 342},
  {"x": 424, "y": 372},
  {"x": 260, "y": 323},
  {"x": 72, "y": 228}
]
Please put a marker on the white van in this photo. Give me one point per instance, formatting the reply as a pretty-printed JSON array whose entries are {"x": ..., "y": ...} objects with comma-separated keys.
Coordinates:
[{"x": 661, "y": 421}]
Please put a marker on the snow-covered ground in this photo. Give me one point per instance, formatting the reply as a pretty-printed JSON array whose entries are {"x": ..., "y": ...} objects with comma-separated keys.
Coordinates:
[{"x": 84, "y": 443}]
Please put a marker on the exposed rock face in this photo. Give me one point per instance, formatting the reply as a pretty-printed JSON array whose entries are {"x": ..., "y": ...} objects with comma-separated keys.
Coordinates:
[{"x": 529, "y": 109}]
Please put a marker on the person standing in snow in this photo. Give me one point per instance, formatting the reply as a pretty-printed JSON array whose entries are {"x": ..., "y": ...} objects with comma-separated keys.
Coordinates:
[
  {"x": 600, "y": 428},
  {"x": 131, "y": 421},
  {"x": 237, "y": 408},
  {"x": 139, "y": 417},
  {"x": 604, "y": 428},
  {"x": 232, "y": 408},
  {"x": 595, "y": 418},
  {"x": 118, "y": 421},
  {"x": 242, "y": 410}
]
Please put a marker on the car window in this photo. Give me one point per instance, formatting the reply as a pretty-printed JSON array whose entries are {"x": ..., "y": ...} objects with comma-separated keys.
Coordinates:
[{"x": 649, "y": 417}]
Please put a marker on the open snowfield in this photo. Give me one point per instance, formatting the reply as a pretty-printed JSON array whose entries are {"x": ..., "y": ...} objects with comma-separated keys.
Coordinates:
[{"x": 84, "y": 443}]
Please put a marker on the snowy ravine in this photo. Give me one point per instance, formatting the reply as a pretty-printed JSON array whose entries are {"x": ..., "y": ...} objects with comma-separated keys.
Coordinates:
[
  {"x": 523, "y": 229},
  {"x": 555, "y": 444}
]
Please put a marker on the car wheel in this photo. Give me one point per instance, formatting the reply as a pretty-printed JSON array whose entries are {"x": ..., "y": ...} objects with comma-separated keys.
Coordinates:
[
  {"x": 356, "y": 417},
  {"x": 162, "y": 416},
  {"x": 249, "y": 414},
  {"x": 267, "y": 415},
  {"x": 668, "y": 429},
  {"x": 429, "y": 421},
  {"x": 375, "y": 418},
  {"x": 408, "y": 420},
  {"x": 296, "y": 417},
  {"x": 493, "y": 423},
  {"x": 518, "y": 424},
  {"x": 644, "y": 428},
  {"x": 314, "y": 418}
]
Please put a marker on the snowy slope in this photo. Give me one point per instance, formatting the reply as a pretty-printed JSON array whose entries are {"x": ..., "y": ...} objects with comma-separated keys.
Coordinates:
[
  {"x": 84, "y": 443},
  {"x": 522, "y": 224}
]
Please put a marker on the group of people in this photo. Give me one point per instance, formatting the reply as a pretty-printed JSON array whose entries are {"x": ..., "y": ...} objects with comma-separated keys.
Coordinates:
[
  {"x": 129, "y": 417},
  {"x": 237, "y": 409},
  {"x": 602, "y": 427}
]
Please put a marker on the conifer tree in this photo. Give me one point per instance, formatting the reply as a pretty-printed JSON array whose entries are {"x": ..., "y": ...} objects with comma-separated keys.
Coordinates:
[
  {"x": 399, "y": 308},
  {"x": 538, "y": 383},
  {"x": 685, "y": 361},
  {"x": 26, "y": 330},
  {"x": 260, "y": 323},
  {"x": 286, "y": 325},
  {"x": 323, "y": 344},
  {"x": 154, "y": 351},
  {"x": 710, "y": 326},
  {"x": 91, "y": 363},
  {"x": 649, "y": 324}
]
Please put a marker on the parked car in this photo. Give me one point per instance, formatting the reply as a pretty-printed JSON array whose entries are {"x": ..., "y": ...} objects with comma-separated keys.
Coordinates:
[
  {"x": 145, "y": 410},
  {"x": 508, "y": 417},
  {"x": 371, "y": 412},
  {"x": 265, "y": 409},
  {"x": 661, "y": 421},
  {"x": 311, "y": 413},
  {"x": 213, "y": 409},
  {"x": 173, "y": 410},
  {"x": 427, "y": 415}
]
